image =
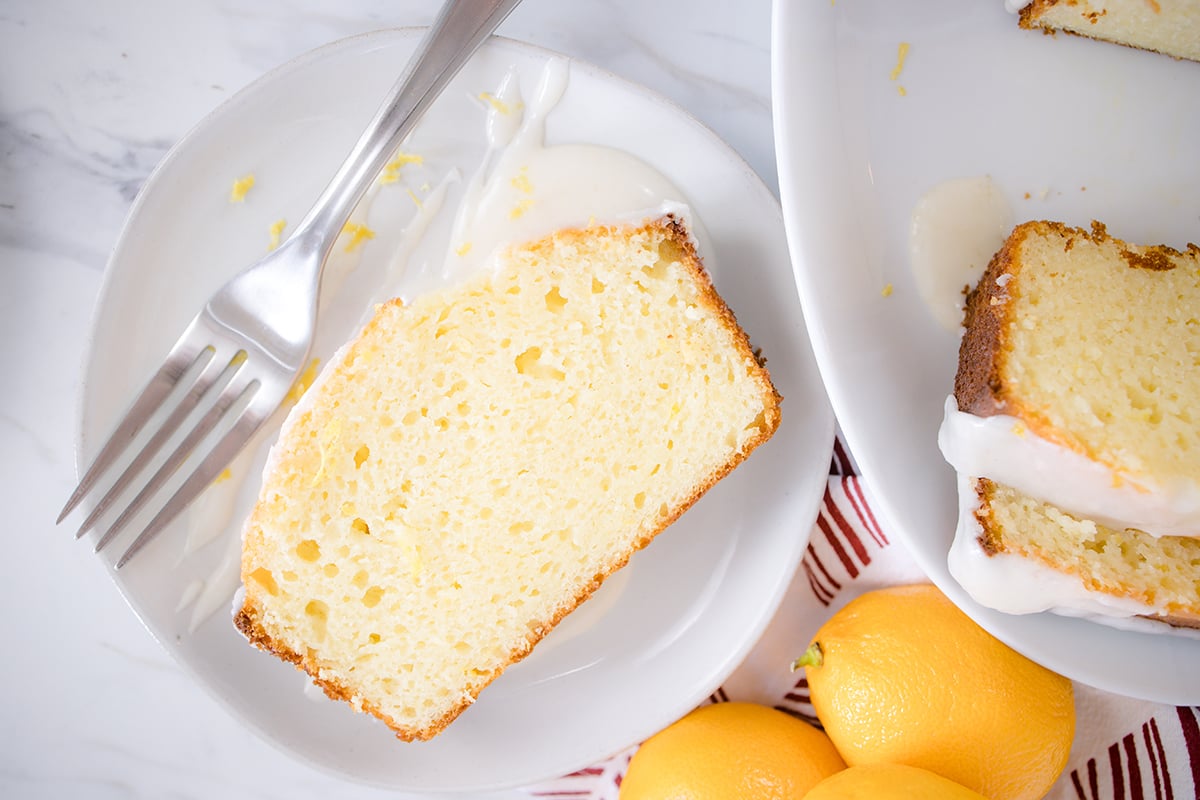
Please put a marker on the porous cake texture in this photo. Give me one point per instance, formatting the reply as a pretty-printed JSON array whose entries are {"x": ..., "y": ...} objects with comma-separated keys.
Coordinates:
[
  {"x": 474, "y": 464},
  {"x": 1171, "y": 27}
]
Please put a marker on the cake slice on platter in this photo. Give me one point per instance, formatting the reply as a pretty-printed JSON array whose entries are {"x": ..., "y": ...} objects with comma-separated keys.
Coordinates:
[{"x": 1074, "y": 425}]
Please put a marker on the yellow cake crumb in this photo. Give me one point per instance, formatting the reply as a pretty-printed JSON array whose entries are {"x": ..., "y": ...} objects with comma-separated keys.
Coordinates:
[
  {"x": 359, "y": 233},
  {"x": 463, "y": 249},
  {"x": 225, "y": 475},
  {"x": 887, "y": 290},
  {"x": 241, "y": 187}
]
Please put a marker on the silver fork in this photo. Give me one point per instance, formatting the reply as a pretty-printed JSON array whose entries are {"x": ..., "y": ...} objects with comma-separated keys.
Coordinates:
[{"x": 245, "y": 348}]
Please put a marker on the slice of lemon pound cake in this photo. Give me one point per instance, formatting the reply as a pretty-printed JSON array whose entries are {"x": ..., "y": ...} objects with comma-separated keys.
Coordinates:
[
  {"x": 1077, "y": 403},
  {"x": 1171, "y": 27},
  {"x": 473, "y": 465}
]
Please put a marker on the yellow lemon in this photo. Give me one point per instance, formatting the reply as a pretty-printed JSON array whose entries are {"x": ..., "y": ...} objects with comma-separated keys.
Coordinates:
[
  {"x": 902, "y": 676},
  {"x": 889, "y": 782},
  {"x": 731, "y": 750}
]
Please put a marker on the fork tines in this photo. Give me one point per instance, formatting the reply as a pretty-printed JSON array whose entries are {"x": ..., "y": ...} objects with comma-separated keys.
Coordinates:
[{"x": 213, "y": 381}]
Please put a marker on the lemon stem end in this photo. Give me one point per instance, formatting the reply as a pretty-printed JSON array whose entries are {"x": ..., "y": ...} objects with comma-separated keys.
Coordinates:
[{"x": 813, "y": 657}]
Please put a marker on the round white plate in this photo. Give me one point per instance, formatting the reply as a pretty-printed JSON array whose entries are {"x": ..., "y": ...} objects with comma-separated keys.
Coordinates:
[
  {"x": 664, "y": 632},
  {"x": 1089, "y": 130}
]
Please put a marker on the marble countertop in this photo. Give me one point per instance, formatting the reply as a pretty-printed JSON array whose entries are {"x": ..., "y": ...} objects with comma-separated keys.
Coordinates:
[{"x": 92, "y": 96}]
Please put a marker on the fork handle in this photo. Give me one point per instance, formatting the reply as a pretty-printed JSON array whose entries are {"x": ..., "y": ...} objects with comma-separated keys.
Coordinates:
[{"x": 461, "y": 26}]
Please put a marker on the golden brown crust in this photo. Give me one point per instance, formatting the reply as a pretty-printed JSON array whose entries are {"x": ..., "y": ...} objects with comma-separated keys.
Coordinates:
[
  {"x": 742, "y": 341},
  {"x": 978, "y": 388},
  {"x": 248, "y": 618},
  {"x": 1030, "y": 16},
  {"x": 1027, "y": 18}
]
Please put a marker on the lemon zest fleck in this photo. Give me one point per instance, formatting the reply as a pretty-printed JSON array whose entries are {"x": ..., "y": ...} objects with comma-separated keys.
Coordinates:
[
  {"x": 499, "y": 105},
  {"x": 901, "y": 55},
  {"x": 276, "y": 231},
  {"x": 463, "y": 248},
  {"x": 391, "y": 171},
  {"x": 887, "y": 290},
  {"x": 520, "y": 208},
  {"x": 241, "y": 187},
  {"x": 521, "y": 182},
  {"x": 358, "y": 234},
  {"x": 225, "y": 475},
  {"x": 416, "y": 200}
]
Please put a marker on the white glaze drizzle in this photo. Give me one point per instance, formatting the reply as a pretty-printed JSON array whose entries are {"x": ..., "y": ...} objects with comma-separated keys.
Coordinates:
[{"x": 955, "y": 229}]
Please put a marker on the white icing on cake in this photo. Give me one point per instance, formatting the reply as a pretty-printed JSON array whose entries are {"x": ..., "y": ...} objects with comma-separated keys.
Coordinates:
[{"x": 1004, "y": 450}]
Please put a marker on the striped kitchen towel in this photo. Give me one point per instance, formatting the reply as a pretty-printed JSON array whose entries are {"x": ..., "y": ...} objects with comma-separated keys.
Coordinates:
[{"x": 1124, "y": 749}]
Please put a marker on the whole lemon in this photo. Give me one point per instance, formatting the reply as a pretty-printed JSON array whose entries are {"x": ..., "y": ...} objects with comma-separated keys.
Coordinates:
[
  {"x": 902, "y": 676},
  {"x": 731, "y": 750},
  {"x": 889, "y": 782}
]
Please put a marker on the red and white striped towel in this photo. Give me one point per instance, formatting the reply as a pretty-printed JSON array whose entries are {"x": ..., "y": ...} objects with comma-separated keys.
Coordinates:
[{"x": 1123, "y": 749}]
